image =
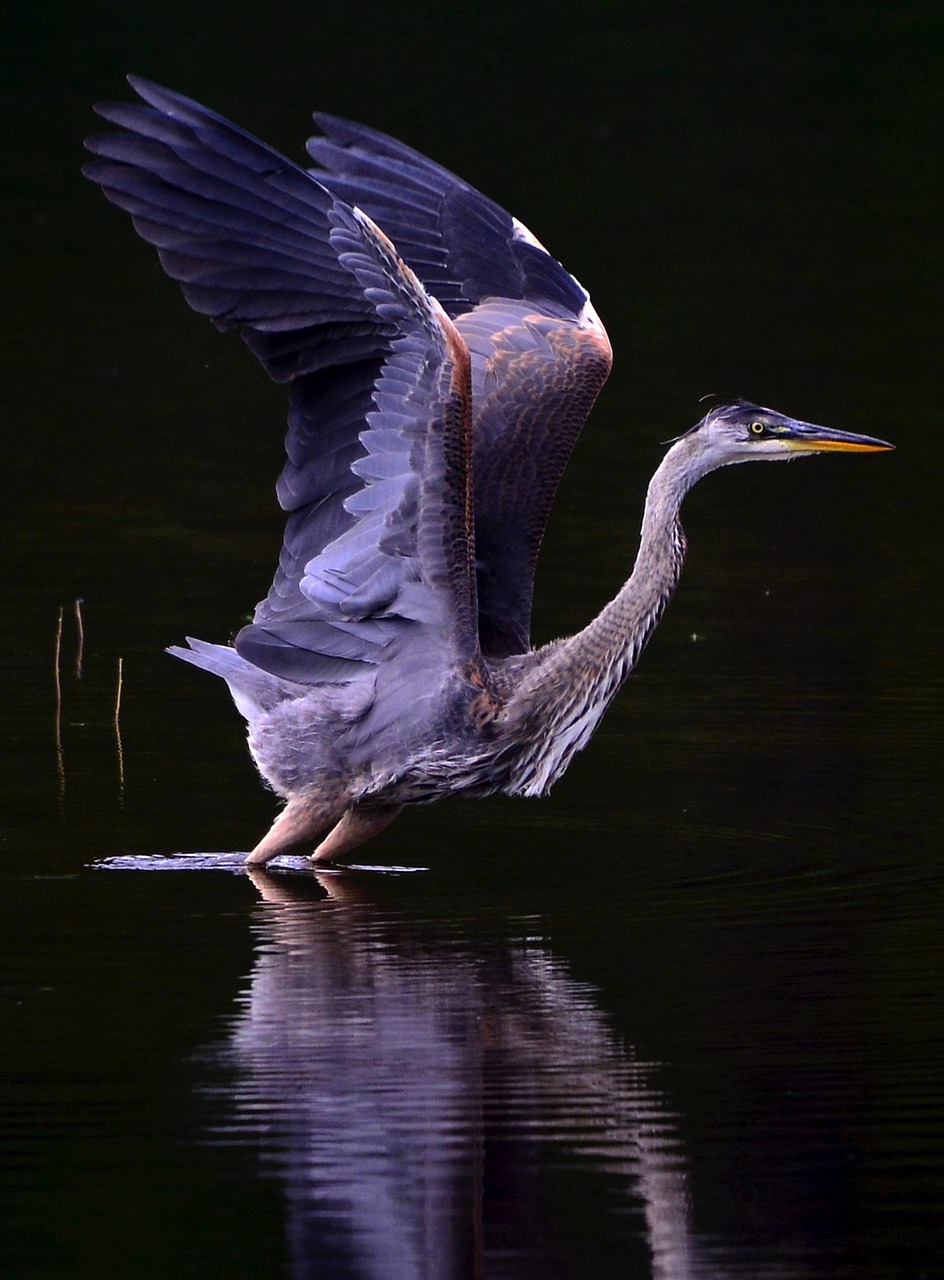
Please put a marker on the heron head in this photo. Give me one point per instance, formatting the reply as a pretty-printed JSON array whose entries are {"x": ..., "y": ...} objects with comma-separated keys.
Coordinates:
[{"x": 740, "y": 431}]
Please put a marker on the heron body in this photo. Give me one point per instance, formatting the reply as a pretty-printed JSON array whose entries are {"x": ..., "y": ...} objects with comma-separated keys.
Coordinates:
[{"x": 440, "y": 366}]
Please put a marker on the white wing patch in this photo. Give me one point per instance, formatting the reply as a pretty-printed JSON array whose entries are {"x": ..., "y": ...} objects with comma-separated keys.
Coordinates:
[
  {"x": 587, "y": 317},
  {"x": 523, "y": 233}
]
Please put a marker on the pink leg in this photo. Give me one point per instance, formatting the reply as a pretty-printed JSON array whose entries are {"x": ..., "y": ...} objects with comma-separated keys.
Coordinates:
[
  {"x": 357, "y": 825},
  {"x": 296, "y": 825}
]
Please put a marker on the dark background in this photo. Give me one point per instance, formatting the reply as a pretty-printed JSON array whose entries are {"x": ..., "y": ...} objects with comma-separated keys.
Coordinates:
[{"x": 745, "y": 865}]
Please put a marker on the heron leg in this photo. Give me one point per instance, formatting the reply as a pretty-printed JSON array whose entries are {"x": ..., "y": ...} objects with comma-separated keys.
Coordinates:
[
  {"x": 357, "y": 825},
  {"x": 298, "y": 823}
]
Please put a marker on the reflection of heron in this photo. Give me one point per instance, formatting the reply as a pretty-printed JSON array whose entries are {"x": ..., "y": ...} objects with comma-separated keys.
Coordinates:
[
  {"x": 424, "y": 1099},
  {"x": 435, "y": 399}
]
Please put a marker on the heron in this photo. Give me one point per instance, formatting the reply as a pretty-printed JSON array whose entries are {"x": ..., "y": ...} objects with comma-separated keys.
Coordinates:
[{"x": 440, "y": 365}]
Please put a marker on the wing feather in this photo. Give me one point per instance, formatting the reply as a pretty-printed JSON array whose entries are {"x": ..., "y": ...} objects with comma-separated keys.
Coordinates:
[
  {"x": 376, "y": 483},
  {"x": 462, "y": 245}
]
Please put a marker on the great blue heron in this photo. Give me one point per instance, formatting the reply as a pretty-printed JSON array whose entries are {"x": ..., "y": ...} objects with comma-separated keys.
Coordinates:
[{"x": 441, "y": 364}]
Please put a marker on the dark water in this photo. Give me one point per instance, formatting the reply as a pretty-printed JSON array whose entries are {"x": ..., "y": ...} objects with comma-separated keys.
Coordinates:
[{"x": 683, "y": 1019}]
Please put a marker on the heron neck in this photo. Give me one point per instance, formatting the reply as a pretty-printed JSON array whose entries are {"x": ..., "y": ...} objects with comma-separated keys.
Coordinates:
[
  {"x": 617, "y": 635},
  {"x": 573, "y": 681}
]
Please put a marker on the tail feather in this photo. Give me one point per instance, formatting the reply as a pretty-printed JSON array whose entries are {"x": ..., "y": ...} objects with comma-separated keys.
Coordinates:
[{"x": 254, "y": 691}]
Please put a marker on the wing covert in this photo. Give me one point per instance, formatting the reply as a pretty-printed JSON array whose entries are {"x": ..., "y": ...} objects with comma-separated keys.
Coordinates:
[{"x": 535, "y": 379}]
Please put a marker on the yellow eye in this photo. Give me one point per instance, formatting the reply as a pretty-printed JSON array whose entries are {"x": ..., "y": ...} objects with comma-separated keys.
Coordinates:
[{"x": 757, "y": 428}]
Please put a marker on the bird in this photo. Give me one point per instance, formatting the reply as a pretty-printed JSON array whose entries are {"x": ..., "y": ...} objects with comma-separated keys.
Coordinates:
[{"x": 440, "y": 364}]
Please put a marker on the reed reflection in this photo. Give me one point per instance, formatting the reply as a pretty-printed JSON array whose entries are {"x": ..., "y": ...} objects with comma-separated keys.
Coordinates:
[{"x": 437, "y": 1108}]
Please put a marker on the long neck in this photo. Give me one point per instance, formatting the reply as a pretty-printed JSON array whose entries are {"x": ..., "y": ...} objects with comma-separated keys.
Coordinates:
[
  {"x": 616, "y": 637},
  {"x": 573, "y": 681}
]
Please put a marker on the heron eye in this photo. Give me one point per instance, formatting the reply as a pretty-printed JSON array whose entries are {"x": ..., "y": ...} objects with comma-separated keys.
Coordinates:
[{"x": 757, "y": 428}]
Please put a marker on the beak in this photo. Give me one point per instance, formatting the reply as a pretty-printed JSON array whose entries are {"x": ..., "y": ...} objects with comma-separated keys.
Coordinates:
[{"x": 807, "y": 438}]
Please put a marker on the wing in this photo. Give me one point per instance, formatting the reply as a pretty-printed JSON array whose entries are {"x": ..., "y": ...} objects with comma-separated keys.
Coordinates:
[
  {"x": 377, "y": 557},
  {"x": 535, "y": 378},
  {"x": 539, "y": 352}
]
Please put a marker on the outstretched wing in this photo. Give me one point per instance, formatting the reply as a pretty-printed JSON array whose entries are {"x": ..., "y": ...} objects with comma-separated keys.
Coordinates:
[
  {"x": 379, "y": 539},
  {"x": 539, "y": 352}
]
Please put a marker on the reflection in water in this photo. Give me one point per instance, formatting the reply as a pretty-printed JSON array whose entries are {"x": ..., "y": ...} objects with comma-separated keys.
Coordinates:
[{"x": 424, "y": 1101}]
